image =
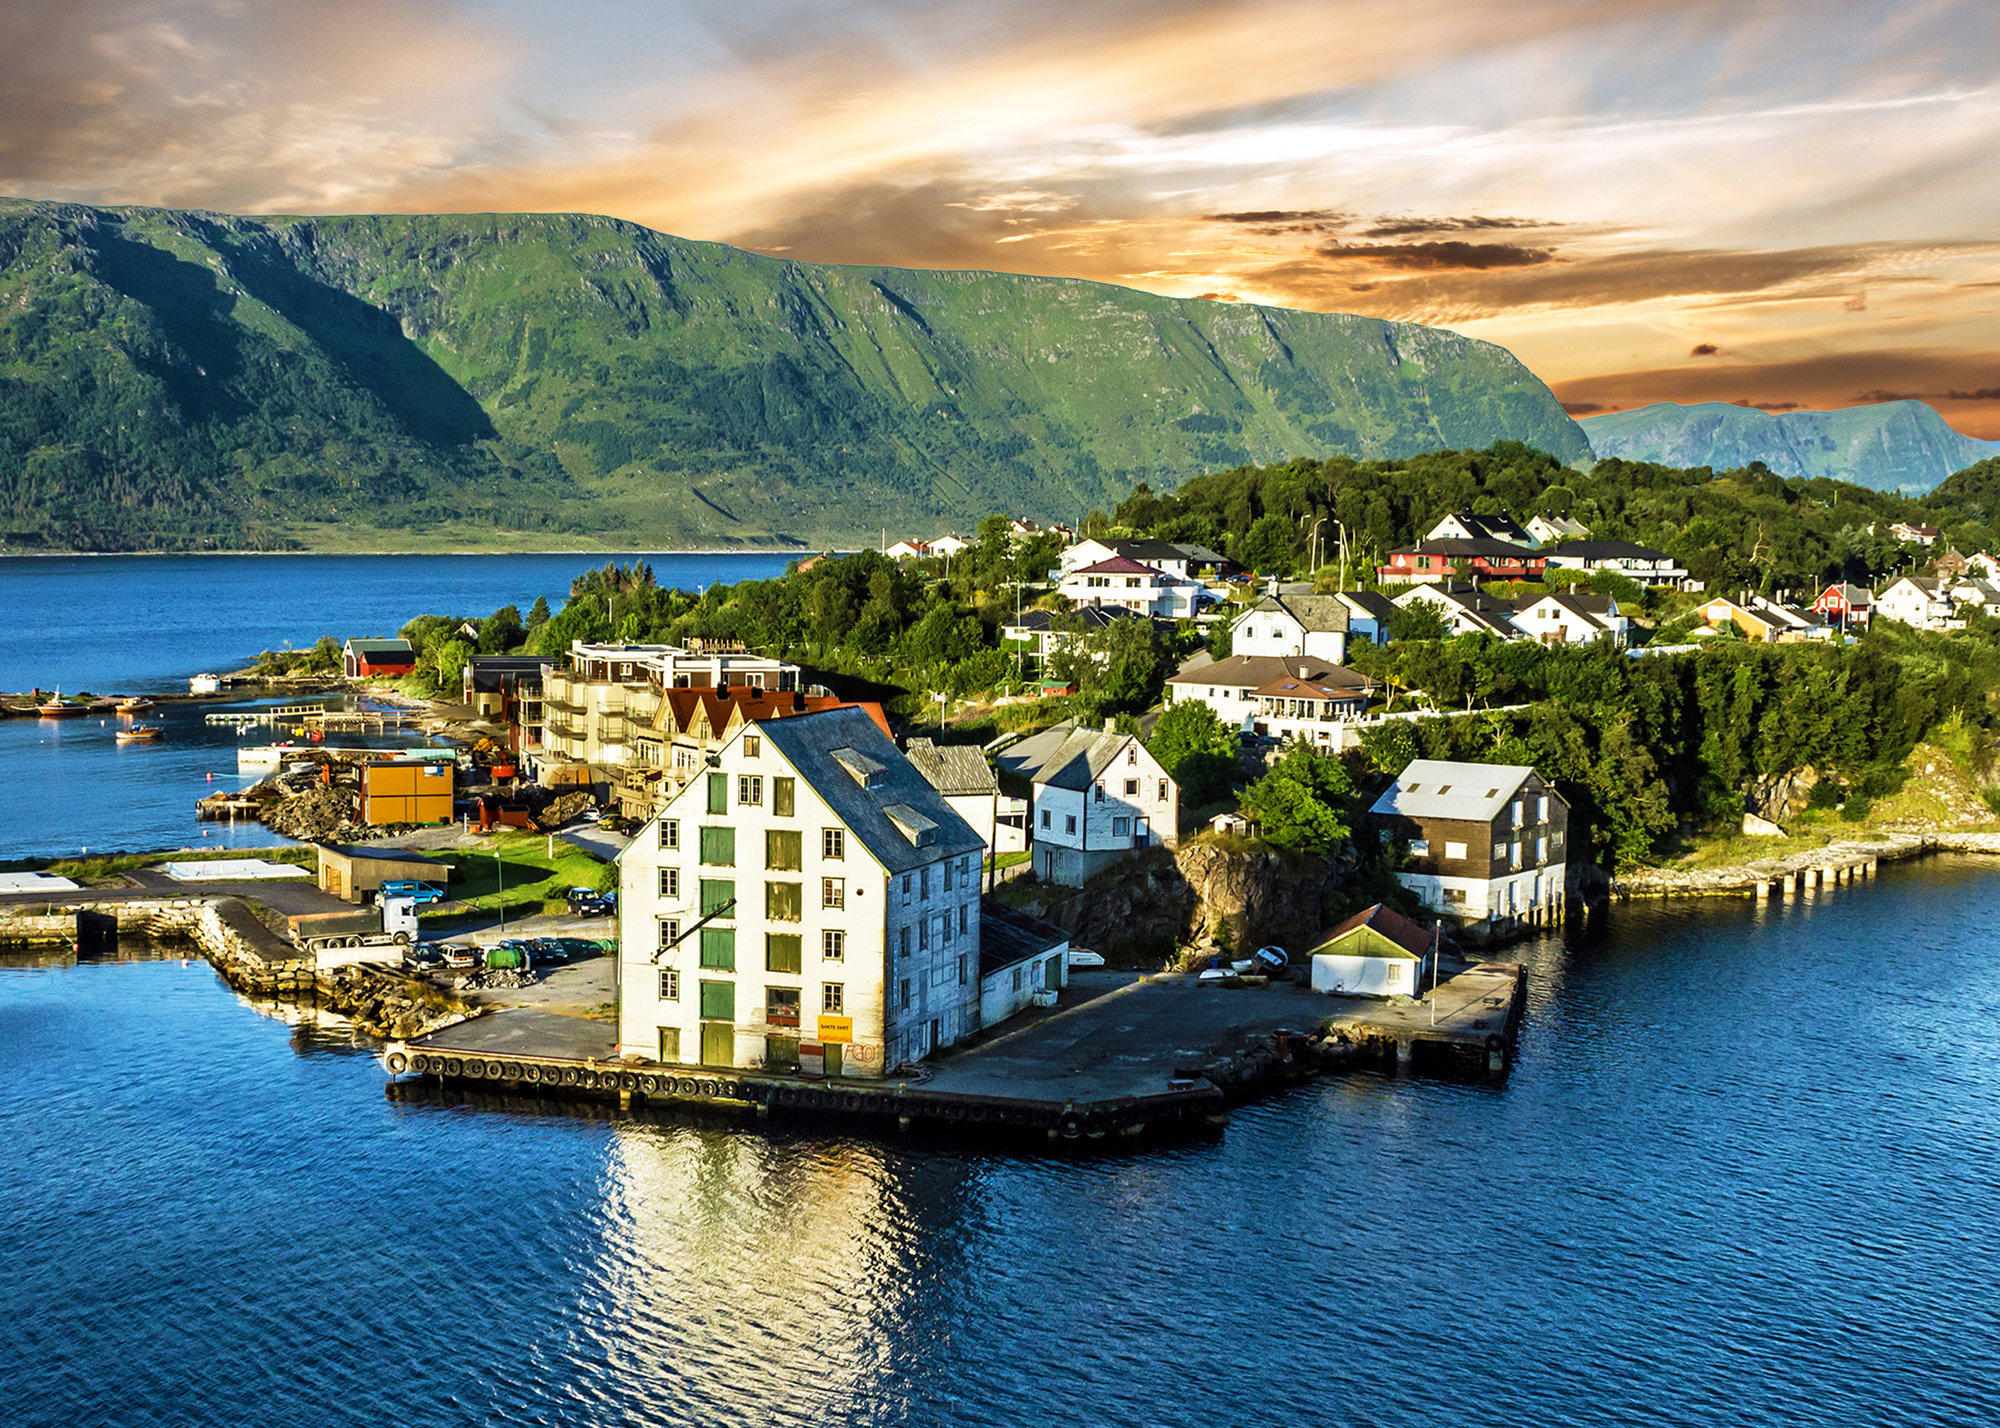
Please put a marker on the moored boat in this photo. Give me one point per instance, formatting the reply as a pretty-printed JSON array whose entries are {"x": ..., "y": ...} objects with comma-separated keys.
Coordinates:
[
  {"x": 139, "y": 734},
  {"x": 136, "y": 704},
  {"x": 56, "y": 708}
]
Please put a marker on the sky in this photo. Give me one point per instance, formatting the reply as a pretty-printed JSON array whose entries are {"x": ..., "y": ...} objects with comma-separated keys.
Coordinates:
[{"x": 1785, "y": 203}]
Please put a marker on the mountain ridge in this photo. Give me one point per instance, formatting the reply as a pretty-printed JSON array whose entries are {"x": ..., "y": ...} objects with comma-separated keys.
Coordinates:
[
  {"x": 172, "y": 379},
  {"x": 1889, "y": 446}
]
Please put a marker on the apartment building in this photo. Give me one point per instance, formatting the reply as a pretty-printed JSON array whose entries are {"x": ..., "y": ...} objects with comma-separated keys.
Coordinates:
[{"x": 810, "y": 901}]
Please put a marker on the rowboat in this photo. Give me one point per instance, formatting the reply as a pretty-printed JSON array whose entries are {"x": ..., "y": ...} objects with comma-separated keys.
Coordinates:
[{"x": 139, "y": 734}]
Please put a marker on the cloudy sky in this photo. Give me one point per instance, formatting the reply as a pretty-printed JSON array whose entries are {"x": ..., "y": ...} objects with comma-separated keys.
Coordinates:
[{"x": 1781, "y": 202}]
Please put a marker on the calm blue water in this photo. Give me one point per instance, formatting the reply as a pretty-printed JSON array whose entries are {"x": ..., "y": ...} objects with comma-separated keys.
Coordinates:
[
  {"x": 1744, "y": 1174},
  {"x": 139, "y": 624}
]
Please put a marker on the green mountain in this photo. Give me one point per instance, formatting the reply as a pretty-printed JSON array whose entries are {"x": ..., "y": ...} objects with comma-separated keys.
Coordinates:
[
  {"x": 1893, "y": 446},
  {"x": 190, "y": 380}
]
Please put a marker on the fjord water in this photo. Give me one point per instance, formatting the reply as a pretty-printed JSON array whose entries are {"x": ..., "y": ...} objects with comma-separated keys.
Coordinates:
[
  {"x": 1743, "y": 1173},
  {"x": 143, "y": 624}
]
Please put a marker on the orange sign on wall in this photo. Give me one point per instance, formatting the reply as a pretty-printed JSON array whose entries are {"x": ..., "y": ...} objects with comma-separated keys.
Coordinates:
[{"x": 836, "y": 1028}]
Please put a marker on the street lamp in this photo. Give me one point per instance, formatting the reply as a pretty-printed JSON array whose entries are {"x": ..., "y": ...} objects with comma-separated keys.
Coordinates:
[{"x": 500, "y": 882}]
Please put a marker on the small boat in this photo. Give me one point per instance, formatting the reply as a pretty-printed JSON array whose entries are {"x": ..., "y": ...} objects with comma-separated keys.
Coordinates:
[
  {"x": 139, "y": 734},
  {"x": 136, "y": 704},
  {"x": 57, "y": 709}
]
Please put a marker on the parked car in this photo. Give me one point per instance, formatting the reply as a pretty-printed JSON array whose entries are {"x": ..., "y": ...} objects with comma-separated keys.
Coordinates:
[
  {"x": 459, "y": 954},
  {"x": 578, "y": 947},
  {"x": 521, "y": 947},
  {"x": 588, "y": 902},
  {"x": 424, "y": 954},
  {"x": 549, "y": 951},
  {"x": 418, "y": 892}
]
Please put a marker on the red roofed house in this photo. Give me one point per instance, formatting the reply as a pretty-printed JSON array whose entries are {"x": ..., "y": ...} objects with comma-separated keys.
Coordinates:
[
  {"x": 1378, "y": 952},
  {"x": 1142, "y": 589}
]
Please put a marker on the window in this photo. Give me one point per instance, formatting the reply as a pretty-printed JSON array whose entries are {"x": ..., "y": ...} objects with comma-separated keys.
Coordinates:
[
  {"x": 1542, "y": 809},
  {"x": 718, "y": 950},
  {"x": 1045, "y": 818},
  {"x": 833, "y": 892},
  {"x": 670, "y": 985},
  {"x": 752, "y": 746},
  {"x": 1131, "y": 754},
  {"x": 781, "y": 1006},
  {"x": 907, "y": 881},
  {"x": 1131, "y": 788},
  {"x": 903, "y": 942},
  {"x": 1121, "y": 827},
  {"x": 833, "y": 998},
  {"x": 1454, "y": 850},
  {"x": 923, "y": 885},
  {"x": 948, "y": 869},
  {"x": 1017, "y": 978},
  {"x": 961, "y": 969},
  {"x": 924, "y": 935},
  {"x": 963, "y": 912},
  {"x": 718, "y": 847},
  {"x": 750, "y": 789},
  {"x": 784, "y": 902},
  {"x": 903, "y": 994},
  {"x": 670, "y": 832},
  {"x": 781, "y": 1053},
  {"x": 965, "y": 867},
  {"x": 833, "y": 842},
  {"x": 944, "y": 929},
  {"x": 1163, "y": 790},
  {"x": 716, "y": 894},
  {"x": 784, "y": 796},
  {"x": 783, "y": 952},
  {"x": 1069, "y": 823},
  {"x": 833, "y": 945},
  {"x": 670, "y": 932},
  {"x": 1420, "y": 847},
  {"x": 1100, "y": 790},
  {"x": 670, "y": 882},
  {"x": 718, "y": 793},
  {"x": 784, "y": 850}
]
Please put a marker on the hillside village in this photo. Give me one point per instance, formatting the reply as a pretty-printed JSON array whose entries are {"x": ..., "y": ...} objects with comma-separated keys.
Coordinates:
[{"x": 846, "y": 875}]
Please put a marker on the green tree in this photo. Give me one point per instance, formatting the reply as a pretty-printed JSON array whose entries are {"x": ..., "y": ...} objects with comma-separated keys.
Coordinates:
[
  {"x": 1197, "y": 749},
  {"x": 1267, "y": 546},
  {"x": 1418, "y": 620},
  {"x": 538, "y": 614},
  {"x": 450, "y": 663},
  {"x": 1302, "y": 801},
  {"x": 502, "y": 631}
]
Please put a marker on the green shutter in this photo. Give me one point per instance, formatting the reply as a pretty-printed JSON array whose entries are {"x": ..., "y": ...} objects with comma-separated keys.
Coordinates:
[
  {"x": 718, "y": 1001},
  {"x": 784, "y": 851},
  {"x": 718, "y": 793},
  {"x": 784, "y": 902},
  {"x": 718, "y": 847},
  {"x": 715, "y": 892},
  {"x": 784, "y": 952},
  {"x": 782, "y": 799},
  {"x": 718, "y": 953}
]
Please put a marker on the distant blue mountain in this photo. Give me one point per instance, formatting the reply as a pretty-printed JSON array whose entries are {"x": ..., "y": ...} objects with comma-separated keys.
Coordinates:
[{"x": 1893, "y": 446}]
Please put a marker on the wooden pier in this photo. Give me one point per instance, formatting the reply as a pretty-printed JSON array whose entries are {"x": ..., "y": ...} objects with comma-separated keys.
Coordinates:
[
  {"x": 318, "y": 716},
  {"x": 1797, "y": 882}
]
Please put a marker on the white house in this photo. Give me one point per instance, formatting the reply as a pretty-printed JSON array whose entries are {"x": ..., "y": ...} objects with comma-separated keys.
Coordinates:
[
  {"x": 1918, "y": 601},
  {"x": 1981, "y": 595},
  {"x": 949, "y": 545},
  {"x": 1984, "y": 566},
  {"x": 1635, "y": 562},
  {"x": 1570, "y": 618},
  {"x": 1544, "y": 529},
  {"x": 908, "y": 550},
  {"x": 1464, "y": 525},
  {"x": 1099, "y": 796},
  {"x": 1312, "y": 625},
  {"x": 1163, "y": 556},
  {"x": 1919, "y": 534},
  {"x": 968, "y": 784},
  {"x": 1487, "y": 842},
  {"x": 1132, "y": 586},
  {"x": 1021, "y": 958},
  {"x": 1039, "y": 632},
  {"x": 1318, "y": 711},
  {"x": 811, "y": 900},
  {"x": 1368, "y": 614},
  {"x": 1233, "y": 687},
  {"x": 1465, "y": 610},
  {"x": 1378, "y": 952}
]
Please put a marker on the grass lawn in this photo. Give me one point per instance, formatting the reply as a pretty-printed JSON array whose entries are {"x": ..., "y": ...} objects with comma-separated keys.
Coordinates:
[
  {"x": 522, "y": 877},
  {"x": 1008, "y": 860},
  {"x": 93, "y": 871}
]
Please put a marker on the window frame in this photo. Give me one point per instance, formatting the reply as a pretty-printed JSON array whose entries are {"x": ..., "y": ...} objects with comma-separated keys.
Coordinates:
[
  {"x": 670, "y": 984},
  {"x": 833, "y": 944},
  {"x": 670, "y": 834},
  {"x": 833, "y": 892},
  {"x": 670, "y": 884}
]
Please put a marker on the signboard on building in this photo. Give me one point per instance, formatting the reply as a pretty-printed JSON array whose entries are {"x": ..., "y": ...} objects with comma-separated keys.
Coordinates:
[{"x": 838, "y": 1029}]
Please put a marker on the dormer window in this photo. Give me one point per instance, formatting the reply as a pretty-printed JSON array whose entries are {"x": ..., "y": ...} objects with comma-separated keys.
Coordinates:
[{"x": 866, "y": 771}]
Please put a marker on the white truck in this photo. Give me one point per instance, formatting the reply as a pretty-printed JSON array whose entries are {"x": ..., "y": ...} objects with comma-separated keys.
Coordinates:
[{"x": 342, "y": 939}]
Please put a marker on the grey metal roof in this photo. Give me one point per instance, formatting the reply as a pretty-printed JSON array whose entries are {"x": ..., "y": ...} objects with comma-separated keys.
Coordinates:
[
  {"x": 953, "y": 768},
  {"x": 1065, "y": 756},
  {"x": 379, "y": 646},
  {"x": 1318, "y": 614},
  {"x": 1442, "y": 788},
  {"x": 1007, "y": 936},
  {"x": 1369, "y": 602},
  {"x": 810, "y": 742},
  {"x": 1200, "y": 554}
]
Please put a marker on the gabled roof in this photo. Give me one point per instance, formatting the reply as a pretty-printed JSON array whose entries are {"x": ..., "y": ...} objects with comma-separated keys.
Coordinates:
[
  {"x": 1079, "y": 758},
  {"x": 1289, "y": 688},
  {"x": 1600, "y": 609},
  {"x": 1116, "y": 565},
  {"x": 898, "y": 798},
  {"x": 374, "y": 647},
  {"x": 678, "y": 707},
  {"x": 1093, "y": 617},
  {"x": 953, "y": 769},
  {"x": 1147, "y": 550},
  {"x": 1852, "y": 594},
  {"x": 1316, "y": 614},
  {"x": 1370, "y": 603},
  {"x": 1386, "y": 921},
  {"x": 1497, "y": 525},
  {"x": 1442, "y": 788},
  {"x": 1200, "y": 554},
  {"x": 1455, "y": 546},
  {"x": 1254, "y": 671},
  {"x": 1607, "y": 550}
]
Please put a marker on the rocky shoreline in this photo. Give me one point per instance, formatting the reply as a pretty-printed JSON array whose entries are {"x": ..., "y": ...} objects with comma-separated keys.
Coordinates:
[{"x": 1748, "y": 877}]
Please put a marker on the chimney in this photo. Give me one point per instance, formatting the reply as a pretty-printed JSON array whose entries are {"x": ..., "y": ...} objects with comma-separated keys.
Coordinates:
[{"x": 1110, "y": 726}]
